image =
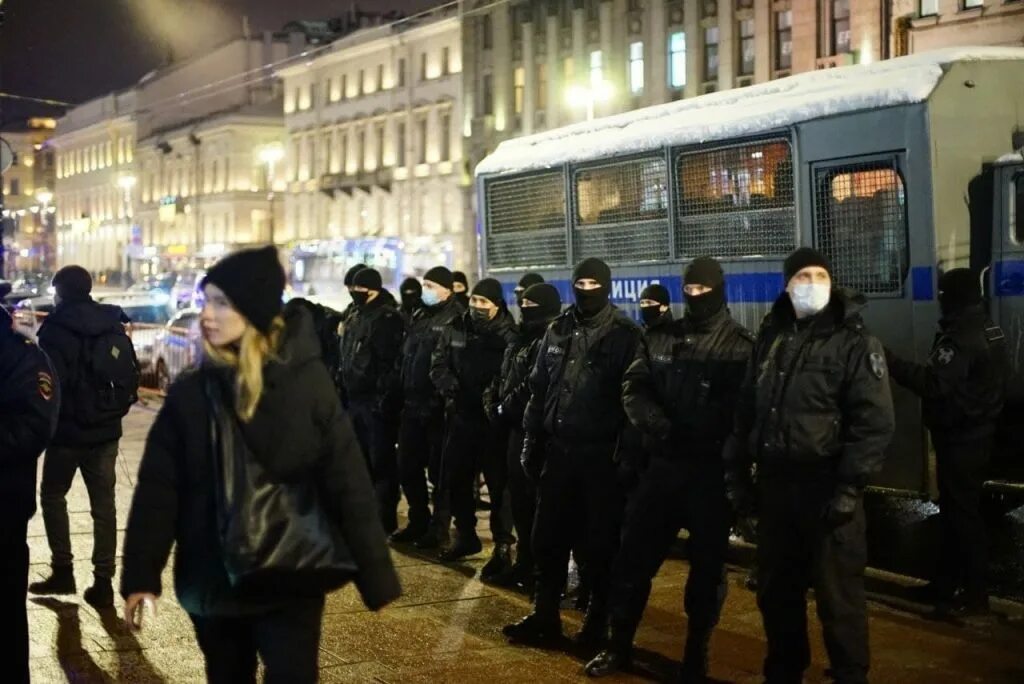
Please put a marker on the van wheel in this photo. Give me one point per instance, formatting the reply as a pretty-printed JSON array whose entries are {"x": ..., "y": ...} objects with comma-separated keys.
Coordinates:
[{"x": 163, "y": 377}]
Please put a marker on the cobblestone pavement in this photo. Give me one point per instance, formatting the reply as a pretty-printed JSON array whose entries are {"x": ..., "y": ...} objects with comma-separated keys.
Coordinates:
[{"x": 445, "y": 628}]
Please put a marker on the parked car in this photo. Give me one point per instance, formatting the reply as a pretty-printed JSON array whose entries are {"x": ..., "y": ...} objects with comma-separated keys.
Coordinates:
[
  {"x": 177, "y": 347},
  {"x": 186, "y": 293}
]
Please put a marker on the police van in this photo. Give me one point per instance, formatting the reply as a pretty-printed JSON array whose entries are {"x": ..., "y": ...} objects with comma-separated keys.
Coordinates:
[{"x": 897, "y": 170}]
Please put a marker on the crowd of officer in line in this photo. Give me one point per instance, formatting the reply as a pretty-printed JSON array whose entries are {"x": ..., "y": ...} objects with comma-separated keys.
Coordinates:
[
  {"x": 600, "y": 439},
  {"x": 596, "y": 438}
]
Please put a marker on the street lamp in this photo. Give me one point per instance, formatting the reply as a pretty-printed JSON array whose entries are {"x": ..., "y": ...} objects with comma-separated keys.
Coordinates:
[
  {"x": 270, "y": 155},
  {"x": 127, "y": 184},
  {"x": 44, "y": 197},
  {"x": 582, "y": 96}
]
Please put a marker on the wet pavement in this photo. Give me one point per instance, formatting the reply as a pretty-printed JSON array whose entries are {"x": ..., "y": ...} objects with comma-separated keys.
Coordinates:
[{"x": 446, "y": 627}]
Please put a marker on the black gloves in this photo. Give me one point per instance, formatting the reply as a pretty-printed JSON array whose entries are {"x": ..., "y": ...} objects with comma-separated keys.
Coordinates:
[{"x": 842, "y": 507}]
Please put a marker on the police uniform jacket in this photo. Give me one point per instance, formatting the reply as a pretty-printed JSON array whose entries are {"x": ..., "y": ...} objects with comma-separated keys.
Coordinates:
[
  {"x": 816, "y": 396},
  {"x": 687, "y": 374},
  {"x": 963, "y": 384},
  {"x": 370, "y": 349},
  {"x": 506, "y": 398},
  {"x": 29, "y": 405},
  {"x": 468, "y": 358},
  {"x": 576, "y": 383},
  {"x": 419, "y": 393}
]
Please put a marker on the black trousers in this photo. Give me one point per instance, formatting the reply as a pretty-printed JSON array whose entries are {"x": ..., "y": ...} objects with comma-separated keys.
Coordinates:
[
  {"x": 961, "y": 470},
  {"x": 579, "y": 507},
  {"x": 797, "y": 551},
  {"x": 376, "y": 435},
  {"x": 672, "y": 495},
  {"x": 420, "y": 441},
  {"x": 13, "y": 591},
  {"x": 522, "y": 499},
  {"x": 98, "y": 466},
  {"x": 474, "y": 446},
  {"x": 287, "y": 641}
]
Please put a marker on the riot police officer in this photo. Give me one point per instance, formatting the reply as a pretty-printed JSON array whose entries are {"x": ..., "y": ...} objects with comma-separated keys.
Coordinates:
[
  {"x": 654, "y": 306},
  {"x": 573, "y": 423},
  {"x": 29, "y": 406},
  {"x": 465, "y": 362},
  {"x": 460, "y": 288},
  {"x": 411, "y": 295},
  {"x": 680, "y": 392},
  {"x": 422, "y": 427},
  {"x": 815, "y": 413},
  {"x": 369, "y": 355},
  {"x": 524, "y": 283},
  {"x": 505, "y": 403},
  {"x": 963, "y": 389}
]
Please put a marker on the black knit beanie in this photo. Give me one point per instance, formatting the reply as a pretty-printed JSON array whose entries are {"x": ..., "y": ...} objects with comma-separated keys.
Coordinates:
[
  {"x": 595, "y": 269},
  {"x": 72, "y": 283},
  {"x": 350, "y": 274},
  {"x": 490, "y": 289},
  {"x": 546, "y": 297},
  {"x": 704, "y": 271},
  {"x": 368, "y": 278},
  {"x": 411, "y": 285},
  {"x": 958, "y": 289},
  {"x": 440, "y": 276},
  {"x": 657, "y": 293},
  {"x": 460, "y": 277},
  {"x": 530, "y": 279},
  {"x": 801, "y": 259},
  {"x": 253, "y": 280}
]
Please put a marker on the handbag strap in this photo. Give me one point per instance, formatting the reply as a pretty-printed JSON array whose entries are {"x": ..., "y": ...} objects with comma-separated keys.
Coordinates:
[{"x": 221, "y": 450}]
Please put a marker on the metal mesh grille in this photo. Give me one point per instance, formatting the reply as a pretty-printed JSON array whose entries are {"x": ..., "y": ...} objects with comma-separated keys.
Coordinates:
[
  {"x": 736, "y": 201},
  {"x": 622, "y": 212},
  {"x": 526, "y": 221},
  {"x": 861, "y": 225}
]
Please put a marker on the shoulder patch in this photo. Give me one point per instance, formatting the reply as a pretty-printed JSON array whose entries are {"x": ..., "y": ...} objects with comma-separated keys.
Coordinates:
[
  {"x": 994, "y": 333},
  {"x": 44, "y": 383},
  {"x": 877, "y": 364},
  {"x": 944, "y": 355}
]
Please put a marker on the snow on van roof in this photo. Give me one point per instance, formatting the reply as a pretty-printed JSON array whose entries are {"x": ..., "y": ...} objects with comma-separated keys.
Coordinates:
[{"x": 741, "y": 111}]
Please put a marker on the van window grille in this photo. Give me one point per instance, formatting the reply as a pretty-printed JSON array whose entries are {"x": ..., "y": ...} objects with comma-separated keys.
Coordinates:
[{"x": 526, "y": 221}]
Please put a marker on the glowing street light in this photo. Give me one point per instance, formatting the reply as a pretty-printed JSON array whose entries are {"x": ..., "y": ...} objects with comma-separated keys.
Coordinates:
[
  {"x": 582, "y": 96},
  {"x": 270, "y": 155}
]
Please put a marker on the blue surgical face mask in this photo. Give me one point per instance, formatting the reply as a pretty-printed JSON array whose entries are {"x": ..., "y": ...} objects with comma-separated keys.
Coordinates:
[{"x": 430, "y": 297}]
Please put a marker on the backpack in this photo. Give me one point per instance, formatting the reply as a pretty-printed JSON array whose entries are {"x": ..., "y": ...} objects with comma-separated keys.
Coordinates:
[{"x": 108, "y": 378}]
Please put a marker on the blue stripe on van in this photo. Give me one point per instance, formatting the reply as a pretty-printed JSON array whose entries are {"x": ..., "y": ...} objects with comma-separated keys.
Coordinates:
[
  {"x": 741, "y": 288},
  {"x": 922, "y": 283},
  {"x": 1009, "y": 278}
]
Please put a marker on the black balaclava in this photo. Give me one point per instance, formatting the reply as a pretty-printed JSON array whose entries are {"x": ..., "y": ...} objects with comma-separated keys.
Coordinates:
[
  {"x": 351, "y": 273},
  {"x": 525, "y": 282},
  {"x": 657, "y": 293},
  {"x": 707, "y": 272},
  {"x": 371, "y": 280},
  {"x": 589, "y": 303},
  {"x": 461, "y": 297},
  {"x": 958, "y": 289},
  {"x": 549, "y": 305},
  {"x": 411, "y": 293}
]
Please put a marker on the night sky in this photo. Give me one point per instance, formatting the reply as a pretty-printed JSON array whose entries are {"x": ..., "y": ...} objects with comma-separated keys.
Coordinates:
[{"x": 74, "y": 50}]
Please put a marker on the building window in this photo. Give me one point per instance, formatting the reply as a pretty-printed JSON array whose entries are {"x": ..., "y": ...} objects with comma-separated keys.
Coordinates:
[
  {"x": 746, "y": 31},
  {"x": 711, "y": 53},
  {"x": 421, "y": 142},
  {"x": 379, "y": 140},
  {"x": 784, "y": 40},
  {"x": 344, "y": 86},
  {"x": 929, "y": 8},
  {"x": 840, "y": 27},
  {"x": 487, "y": 96},
  {"x": 343, "y": 151},
  {"x": 519, "y": 88},
  {"x": 400, "y": 144},
  {"x": 361, "y": 86},
  {"x": 677, "y": 59},
  {"x": 593, "y": 12},
  {"x": 636, "y": 68},
  {"x": 596, "y": 68},
  {"x": 360, "y": 149},
  {"x": 15, "y": 188},
  {"x": 446, "y": 136},
  {"x": 423, "y": 66},
  {"x": 542, "y": 86},
  {"x": 487, "y": 32},
  {"x": 446, "y": 57},
  {"x": 401, "y": 73},
  {"x": 969, "y": 4},
  {"x": 380, "y": 77}
]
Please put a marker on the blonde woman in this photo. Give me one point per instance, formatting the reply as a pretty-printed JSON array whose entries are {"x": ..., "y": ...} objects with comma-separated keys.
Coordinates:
[{"x": 252, "y": 469}]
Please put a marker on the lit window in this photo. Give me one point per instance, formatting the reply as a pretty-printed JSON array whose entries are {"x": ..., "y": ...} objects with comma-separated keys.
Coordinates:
[
  {"x": 636, "y": 68},
  {"x": 677, "y": 59},
  {"x": 596, "y": 71},
  {"x": 519, "y": 88}
]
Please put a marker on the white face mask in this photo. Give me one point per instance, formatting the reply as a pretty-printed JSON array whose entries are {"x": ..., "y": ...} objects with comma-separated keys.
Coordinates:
[{"x": 810, "y": 298}]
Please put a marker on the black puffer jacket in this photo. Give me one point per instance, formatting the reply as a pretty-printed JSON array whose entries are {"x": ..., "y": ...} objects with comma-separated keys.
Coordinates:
[
  {"x": 816, "y": 396},
  {"x": 370, "y": 349},
  {"x": 63, "y": 337},
  {"x": 466, "y": 360},
  {"x": 963, "y": 385},
  {"x": 505, "y": 400},
  {"x": 418, "y": 390},
  {"x": 576, "y": 383},
  {"x": 29, "y": 405},
  {"x": 299, "y": 431},
  {"x": 682, "y": 385}
]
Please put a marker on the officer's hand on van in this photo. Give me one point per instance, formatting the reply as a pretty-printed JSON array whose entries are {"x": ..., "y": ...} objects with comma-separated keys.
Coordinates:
[{"x": 842, "y": 507}]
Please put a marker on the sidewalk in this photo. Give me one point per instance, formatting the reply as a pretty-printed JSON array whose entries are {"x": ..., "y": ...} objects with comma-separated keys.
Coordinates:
[{"x": 446, "y": 627}]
